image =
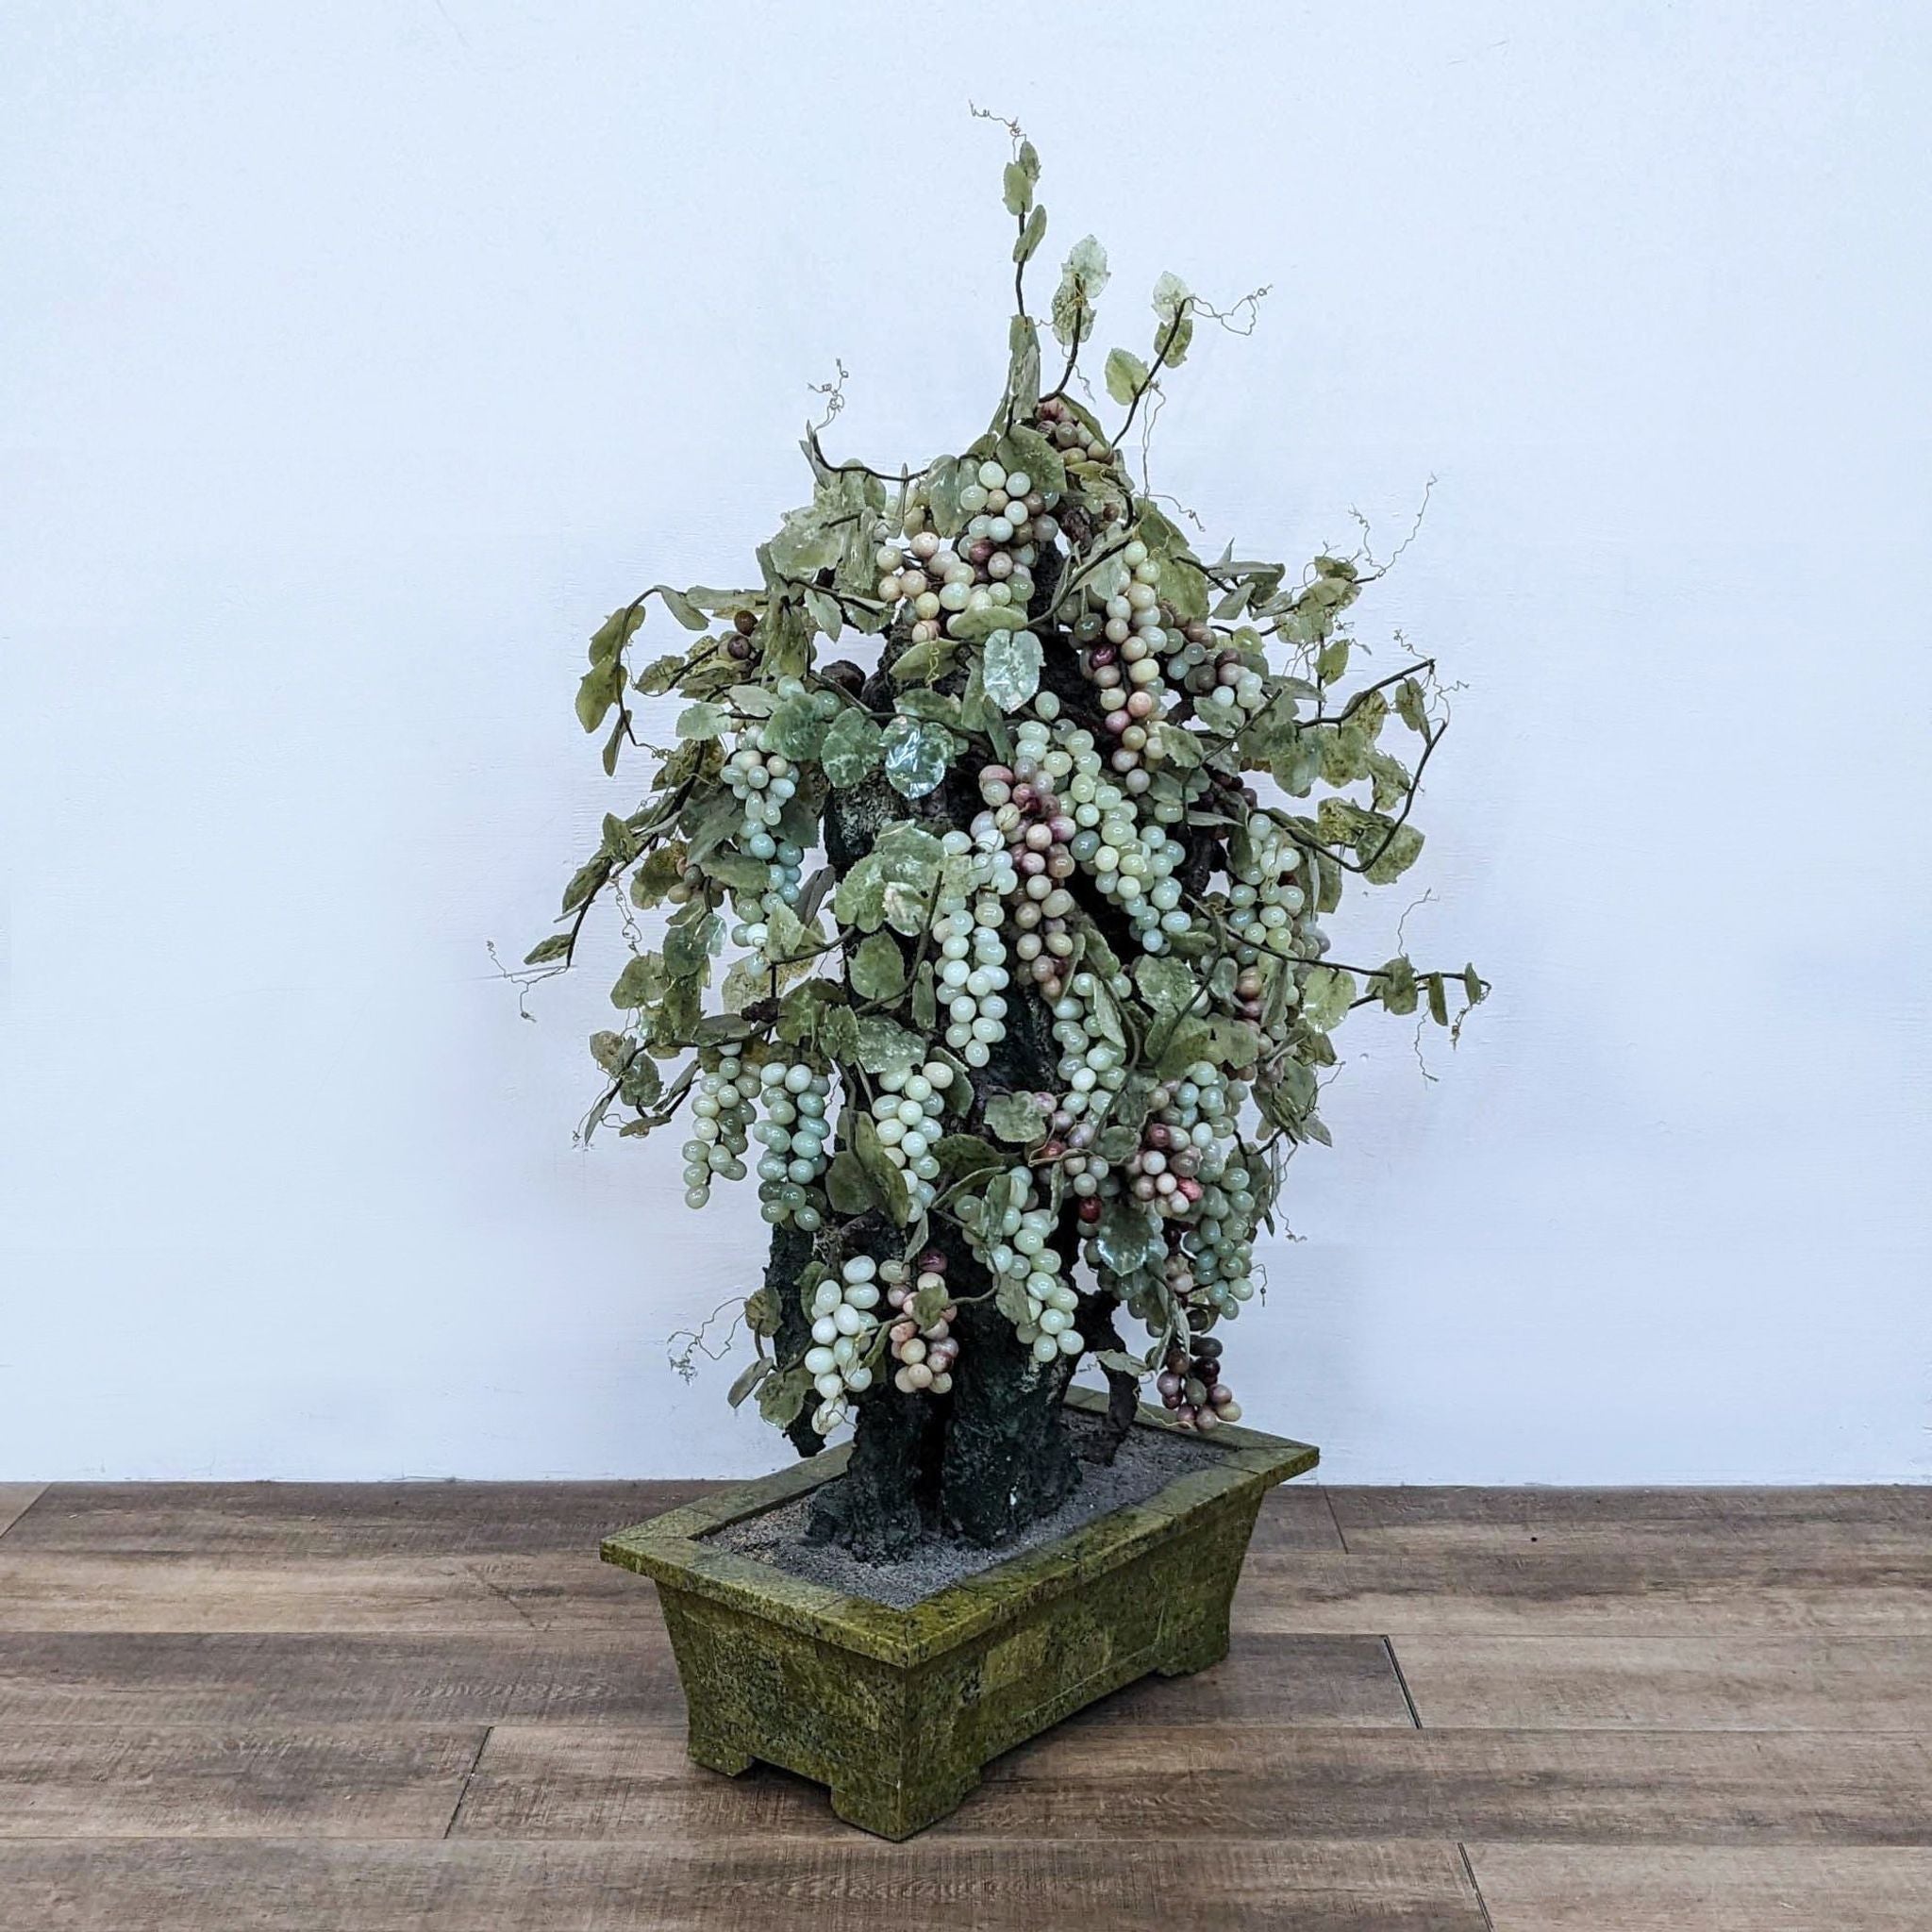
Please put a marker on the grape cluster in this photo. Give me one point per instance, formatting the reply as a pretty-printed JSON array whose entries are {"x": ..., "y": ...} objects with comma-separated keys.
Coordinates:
[
  {"x": 1015, "y": 1243},
  {"x": 1192, "y": 1388},
  {"x": 1007, "y": 524},
  {"x": 764, "y": 783},
  {"x": 720, "y": 1122},
  {"x": 925, "y": 1356},
  {"x": 842, "y": 1331},
  {"x": 1132, "y": 861},
  {"x": 1265, "y": 903},
  {"x": 1186, "y": 1141},
  {"x": 794, "y": 1134},
  {"x": 973, "y": 972},
  {"x": 907, "y": 1115},
  {"x": 1025, "y": 811}
]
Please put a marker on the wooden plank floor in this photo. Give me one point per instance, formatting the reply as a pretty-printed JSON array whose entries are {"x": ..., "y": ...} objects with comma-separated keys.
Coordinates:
[{"x": 365, "y": 1708}]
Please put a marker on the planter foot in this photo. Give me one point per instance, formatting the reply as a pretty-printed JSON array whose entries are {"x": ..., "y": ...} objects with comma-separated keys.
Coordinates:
[
  {"x": 901, "y": 1813},
  {"x": 718, "y": 1752}
]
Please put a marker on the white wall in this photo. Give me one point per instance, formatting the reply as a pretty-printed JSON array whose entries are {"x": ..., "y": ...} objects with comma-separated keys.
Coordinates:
[{"x": 359, "y": 359}]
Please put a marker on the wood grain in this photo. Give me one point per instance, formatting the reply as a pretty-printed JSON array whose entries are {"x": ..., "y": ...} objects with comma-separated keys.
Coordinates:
[
  {"x": 358, "y": 1781},
  {"x": 564, "y": 1590},
  {"x": 855, "y": 1885},
  {"x": 1671, "y": 1683},
  {"x": 1782, "y": 1523},
  {"x": 291, "y": 1521},
  {"x": 1703, "y": 1889},
  {"x": 16, "y": 1499},
  {"x": 1158, "y": 1782},
  {"x": 1589, "y": 1594},
  {"x": 246, "y": 1679}
]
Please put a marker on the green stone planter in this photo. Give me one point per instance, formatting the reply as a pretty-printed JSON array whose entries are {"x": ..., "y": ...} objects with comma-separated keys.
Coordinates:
[{"x": 898, "y": 1709}]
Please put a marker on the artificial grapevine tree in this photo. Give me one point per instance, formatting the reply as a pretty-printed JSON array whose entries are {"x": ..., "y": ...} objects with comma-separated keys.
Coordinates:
[{"x": 992, "y": 957}]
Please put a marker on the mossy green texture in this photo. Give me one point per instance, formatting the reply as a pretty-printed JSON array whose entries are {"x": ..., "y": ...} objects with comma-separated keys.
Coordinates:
[{"x": 898, "y": 1709}]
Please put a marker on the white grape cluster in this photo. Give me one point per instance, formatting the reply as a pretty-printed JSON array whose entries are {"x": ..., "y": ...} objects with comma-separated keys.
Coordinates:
[
  {"x": 721, "y": 1122},
  {"x": 990, "y": 565},
  {"x": 925, "y": 1356},
  {"x": 796, "y": 1135},
  {"x": 842, "y": 1327},
  {"x": 973, "y": 972},
  {"x": 906, "y": 1114},
  {"x": 1265, "y": 904},
  {"x": 1015, "y": 1243},
  {"x": 1131, "y": 859}
]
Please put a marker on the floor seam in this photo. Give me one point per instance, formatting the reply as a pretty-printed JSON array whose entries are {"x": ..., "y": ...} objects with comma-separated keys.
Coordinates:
[
  {"x": 22, "y": 1514},
  {"x": 1340, "y": 1535},
  {"x": 1401, "y": 1680},
  {"x": 462, "y": 1796},
  {"x": 1482, "y": 1904}
]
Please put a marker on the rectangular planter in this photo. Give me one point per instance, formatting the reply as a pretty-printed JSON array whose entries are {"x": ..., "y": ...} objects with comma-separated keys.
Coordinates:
[{"x": 898, "y": 1709}]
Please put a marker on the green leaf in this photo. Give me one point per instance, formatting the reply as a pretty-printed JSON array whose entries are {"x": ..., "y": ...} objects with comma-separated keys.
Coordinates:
[
  {"x": 859, "y": 903},
  {"x": 761, "y": 1312},
  {"x": 887, "y": 1184},
  {"x": 681, "y": 608},
  {"x": 1126, "y": 374},
  {"x": 1010, "y": 1297},
  {"x": 1327, "y": 993},
  {"x": 1165, "y": 984},
  {"x": 916, "y": 756},
  {"x": 877, "y": 970},
  {"x": 641, "y": 984},
  {"x": 1031, "y": 236},
  {"x": 947, "y": 477},
  {"x": 782, "y": 1397},
  {"x": 1411, "y": 708},
  {"x": 1023, "y": 447},
  {"x": 887, "y": 1047},
  {"x": 967, "y": 1153},
  {"x": 609, "y": 637},
  {"x": 1016, "y": 1117},
  {"x": 1395, "y": 986},
  {"x": 925, "y": 663},
  {"x": 701, "y": 720},
  {"x": 753, "y": 1374},
  {"x": 1018, "y": 186},
  {"x": 1174, "y": 320},
  {"x": 1023, "y": 370},
  {"x": 851, "y": 749},
  {"x": 847, "y": 1186},
  {"x": 1122, "y": 1240},
  {"x": 1333, "y": 663},
  {"x": 658, "y": 676},
  {"x": 1081, "y": 282},
  {"x": 1011, "y": 669},
  {"x": 1438, "y": 999},
  {"x": 1180, "y": 747},
  {"x": 1386, "y": 855},
  {"x": 554, "y": 947},
  {"x": 602, "y": 686},
  {"x": 794, "y": 730}
]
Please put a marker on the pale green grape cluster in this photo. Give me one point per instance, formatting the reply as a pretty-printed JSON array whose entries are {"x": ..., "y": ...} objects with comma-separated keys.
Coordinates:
[
  {"x": 974, "y": 975},
  {"x": 720, "y": 1122},
  {"x": 1015, "y": 1244},
  {"x": 843, "y": 1324},
  {"x": 794, "y": 1134},
  {"x": 907, "y": 1116}
]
